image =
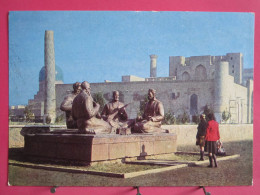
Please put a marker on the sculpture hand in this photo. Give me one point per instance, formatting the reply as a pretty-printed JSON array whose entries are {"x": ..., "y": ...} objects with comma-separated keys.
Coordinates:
[
  {"x": 150, "y": 118},
  {"x": 97, "y": 105}
]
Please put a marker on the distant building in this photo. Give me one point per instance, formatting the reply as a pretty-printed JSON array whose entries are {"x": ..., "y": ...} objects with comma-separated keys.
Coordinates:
[
  {"x": 219, "y": 82},
  {"x": 37, "y": 104},
  {"x": 248, "y": 74},
  {"x": 16, "y": 113}
]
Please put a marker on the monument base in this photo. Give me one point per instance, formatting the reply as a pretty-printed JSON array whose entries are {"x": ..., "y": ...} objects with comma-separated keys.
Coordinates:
[{"x": 65, "y": 145}]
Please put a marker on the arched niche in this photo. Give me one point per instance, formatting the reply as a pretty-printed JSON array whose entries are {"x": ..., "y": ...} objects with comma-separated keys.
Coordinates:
[
  {"x": 200, "y": 72},
  {"x": 185, "y": 76},
  {"x": 193, "y": 104}
]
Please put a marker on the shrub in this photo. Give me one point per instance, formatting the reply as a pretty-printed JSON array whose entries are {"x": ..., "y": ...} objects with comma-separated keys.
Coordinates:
[
  {"x": 196, "y": 119},
  {"x": 142, "y": 106},
  {"x": 98, "y": 97},
  {"x": 60, "y": 119},
  {"x": 183, "y": 118},
  {"x": 29, "y": 116},
  {"x": 226, "y": 115},
  {"x": 169, "y": 119},
  {"x": 48, "y": 119}
]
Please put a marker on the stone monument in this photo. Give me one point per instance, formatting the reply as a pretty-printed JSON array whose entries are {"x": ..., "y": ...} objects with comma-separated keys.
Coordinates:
[{"x": 94, "y": 140}]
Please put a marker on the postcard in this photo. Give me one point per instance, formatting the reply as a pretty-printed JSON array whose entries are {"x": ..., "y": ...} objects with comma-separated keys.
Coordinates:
[{"x": 125, "y": 98}]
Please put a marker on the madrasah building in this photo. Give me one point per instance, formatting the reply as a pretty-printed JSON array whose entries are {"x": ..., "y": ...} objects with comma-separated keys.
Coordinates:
[{"x": 220, "y": 82}]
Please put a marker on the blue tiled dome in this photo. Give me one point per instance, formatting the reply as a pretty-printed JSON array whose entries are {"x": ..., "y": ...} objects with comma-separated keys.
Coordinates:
[{"x": 59, "y": 74}]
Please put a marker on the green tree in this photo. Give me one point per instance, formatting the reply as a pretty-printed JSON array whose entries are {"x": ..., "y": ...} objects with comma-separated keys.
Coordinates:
[
  {"x": 29, "y": 116},
  {"x": 142, "y": 105},
  {"x": 225, "y": 116},
  {"x": 98, "y": 97}
]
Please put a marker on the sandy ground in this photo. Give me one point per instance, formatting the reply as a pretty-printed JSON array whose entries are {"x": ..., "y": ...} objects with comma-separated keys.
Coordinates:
[{"x": 229, "y": 173}]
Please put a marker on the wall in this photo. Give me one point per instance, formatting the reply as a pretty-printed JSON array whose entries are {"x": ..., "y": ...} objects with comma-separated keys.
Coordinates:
[
  {"x": 16, "y": 140},
  {"x": 186, "y": 134},
  {"x": 240, "y": 95},
  {"x": 135, "y": 92}
]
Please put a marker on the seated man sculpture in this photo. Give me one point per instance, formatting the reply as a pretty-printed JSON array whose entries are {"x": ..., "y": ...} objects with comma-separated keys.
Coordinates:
[
  {"x": 114, "y": 112},
  {"x": 84, "y": 111},
  {"x": 66, "y": 106},
  {"x": 150, "y": 122}
]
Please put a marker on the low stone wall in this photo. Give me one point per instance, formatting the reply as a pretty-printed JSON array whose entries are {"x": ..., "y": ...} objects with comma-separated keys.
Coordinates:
[
  {"x": 186, "y": 134},
  {"x": 16, "y": 140}
]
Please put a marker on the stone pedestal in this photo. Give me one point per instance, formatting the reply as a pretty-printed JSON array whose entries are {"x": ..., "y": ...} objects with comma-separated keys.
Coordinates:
[{"x": 95, "y": 148}]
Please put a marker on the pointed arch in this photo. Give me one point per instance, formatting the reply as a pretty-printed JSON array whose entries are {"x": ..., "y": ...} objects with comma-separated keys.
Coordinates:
[
  {"x": 193, "y": 104},
  {"x": 185, "y": 76},
  {"x": 200, "y": 72}
]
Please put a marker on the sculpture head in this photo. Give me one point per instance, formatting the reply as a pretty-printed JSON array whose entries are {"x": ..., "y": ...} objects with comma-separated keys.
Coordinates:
[
  {"x": 202, "y": 117},
  {"x": 115, "y": 96},
  {"x": 76, "y": 88},
  {"x": 151, "y": 94},
  {"x": 85, "y": 86}
]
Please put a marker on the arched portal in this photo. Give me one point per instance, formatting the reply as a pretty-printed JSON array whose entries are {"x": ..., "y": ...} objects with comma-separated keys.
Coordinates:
[{"x": 194, "y": 104}]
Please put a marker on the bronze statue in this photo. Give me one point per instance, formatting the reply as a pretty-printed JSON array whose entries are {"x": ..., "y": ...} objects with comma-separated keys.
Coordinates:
[
  {"x": 66, "y": 106},
  {"x": 85, "y": 109},
  {"x": 150, "y": 122},
  {"x": 114, "y": 112}
]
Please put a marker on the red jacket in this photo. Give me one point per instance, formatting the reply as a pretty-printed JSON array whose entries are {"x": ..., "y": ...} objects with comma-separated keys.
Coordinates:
[{"x": 212, "y": 132}]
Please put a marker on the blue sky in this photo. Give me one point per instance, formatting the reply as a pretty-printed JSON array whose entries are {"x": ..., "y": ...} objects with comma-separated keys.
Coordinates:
[{"x": 98, "y": 46}]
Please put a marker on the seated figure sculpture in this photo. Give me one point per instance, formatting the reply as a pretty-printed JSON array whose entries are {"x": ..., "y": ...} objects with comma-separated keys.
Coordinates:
[
  {"x": 66, "y": 106},
  {"x": 150, "y": 122},
  {"x": 85, "y": 110},
  {"x": 114, "y": 112}
]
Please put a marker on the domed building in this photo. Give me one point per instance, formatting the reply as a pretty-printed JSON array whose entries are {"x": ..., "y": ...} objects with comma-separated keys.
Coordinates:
[{"x": 37, "y": 104}]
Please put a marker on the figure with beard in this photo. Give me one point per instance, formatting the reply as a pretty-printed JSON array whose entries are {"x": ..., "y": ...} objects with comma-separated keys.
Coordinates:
[
  {"x": 85, "y": 111},
  {"x": 66, "y": 106},
  {"x": 114, "y": 112},
  {"x": 152, "y": 118}
]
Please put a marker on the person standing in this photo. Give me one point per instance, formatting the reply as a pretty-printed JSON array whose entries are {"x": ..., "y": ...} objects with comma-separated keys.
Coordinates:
[
  {"x": 212, "y": 136},
  {"x": 202, "y": 127}
]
